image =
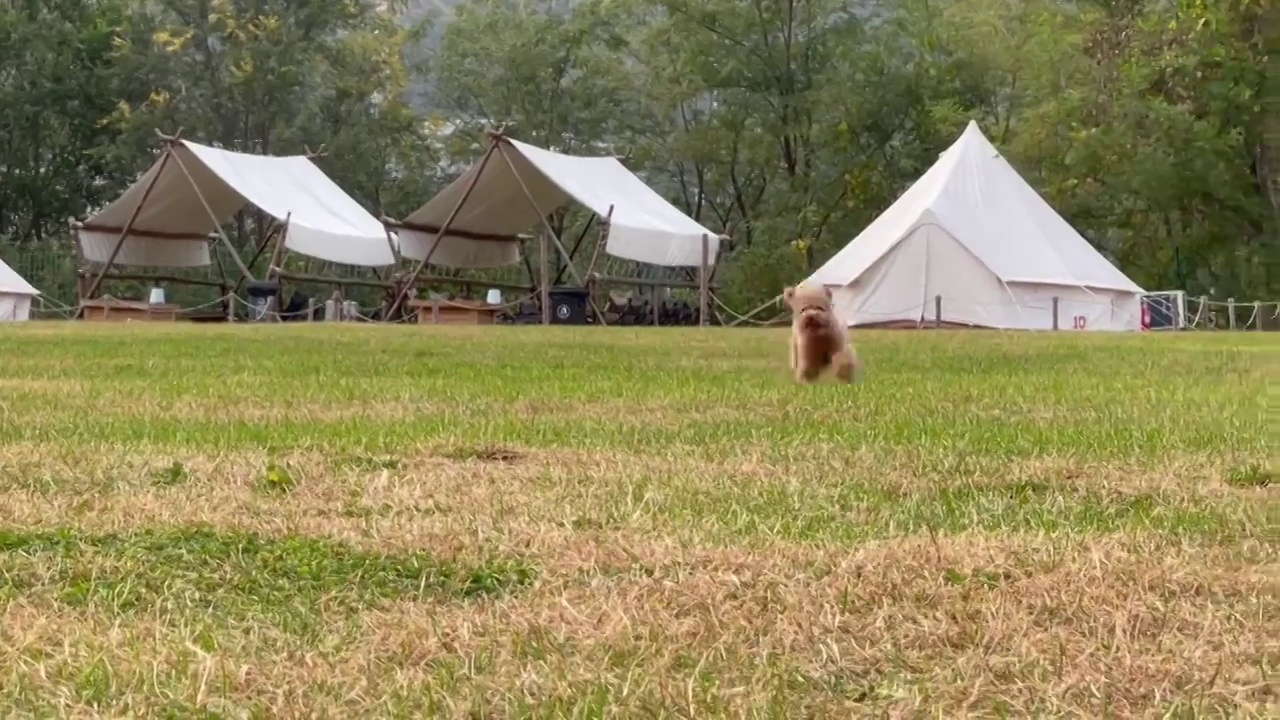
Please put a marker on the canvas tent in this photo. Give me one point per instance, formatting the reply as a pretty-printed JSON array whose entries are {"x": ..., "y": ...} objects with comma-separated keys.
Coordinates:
[
  {"x": 475, "y": 222},
  {"x": 16, "y": 295},
  {"x": 972, "y": 243},
  {"x": 167, "y": 217}
]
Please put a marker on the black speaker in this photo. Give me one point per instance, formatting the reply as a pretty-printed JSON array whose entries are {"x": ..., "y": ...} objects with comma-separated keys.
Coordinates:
[{"x": 568, "y": 305}]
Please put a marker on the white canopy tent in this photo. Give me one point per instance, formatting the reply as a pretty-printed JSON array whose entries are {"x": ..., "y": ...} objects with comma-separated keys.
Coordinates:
[
  {"x": 972, "y": 243},
  {"x": 166, "y": 218},
  {"x": 16, "y": 295},
  {"x": 475, "y": 222},
  {"x": 642, "y": 227}
]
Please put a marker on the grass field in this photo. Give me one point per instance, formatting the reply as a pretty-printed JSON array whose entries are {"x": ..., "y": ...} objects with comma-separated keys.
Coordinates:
[{"x": 397, "y": 521}]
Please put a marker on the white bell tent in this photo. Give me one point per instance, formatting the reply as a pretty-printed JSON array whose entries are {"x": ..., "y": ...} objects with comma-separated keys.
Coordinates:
[
  {"x": 15, "y": 295},
  {"x": 971, "y": 243}
]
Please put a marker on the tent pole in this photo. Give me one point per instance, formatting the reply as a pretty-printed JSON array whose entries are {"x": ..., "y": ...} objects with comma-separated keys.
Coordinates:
[
  {"x": 395, "y": 254},
  {"x": 715, "y": 268},
  {"x": 528, "y": 264},
  {"x": 544, "y": 277},
  {"x": 577, "y": 245},
  {"x": 600, "y": 240},
  {"x": 545, "y": 225},
  {"x": 82, "y": 264},
  {"x": 277, "y": 257},
  {"x": 124, "y": 232},
  {"x": 704, "y": 276},
  {"x": 262, "y": 246},
  {"x": 224, "y": 287},
  {"x": 235, "y": 256},
  {"x": 541, "y": 216},
  {"x": 444, "y": 228},
  {"x": 602, "y": 234}
]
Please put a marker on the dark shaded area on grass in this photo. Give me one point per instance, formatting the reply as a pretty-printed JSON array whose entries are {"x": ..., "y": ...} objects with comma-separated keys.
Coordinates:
[{"x": 290, "y": 579}]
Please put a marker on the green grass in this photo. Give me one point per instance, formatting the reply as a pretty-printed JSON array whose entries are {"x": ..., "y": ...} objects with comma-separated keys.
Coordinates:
[{"x": 361, "y": 520}]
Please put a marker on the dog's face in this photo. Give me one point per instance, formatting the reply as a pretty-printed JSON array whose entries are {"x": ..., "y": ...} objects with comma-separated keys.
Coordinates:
[
  {"x": 805, "y": 299},
  {"x": 812, "y": 305}
]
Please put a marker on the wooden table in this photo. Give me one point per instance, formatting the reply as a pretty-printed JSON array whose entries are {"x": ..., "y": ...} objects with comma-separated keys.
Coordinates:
[
  {"x": 455, "y": 312},
  {"x": 112, "y": 309}
]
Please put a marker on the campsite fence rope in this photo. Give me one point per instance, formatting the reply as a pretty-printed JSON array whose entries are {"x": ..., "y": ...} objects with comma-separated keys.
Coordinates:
[
  {"x": 747, "y": 319},
  {"x": 53, "y": 306},
  {"x": 56, "y": 307},
  {"x": 1208, "y": 314},
  {"x": 1201, "y": 313}
]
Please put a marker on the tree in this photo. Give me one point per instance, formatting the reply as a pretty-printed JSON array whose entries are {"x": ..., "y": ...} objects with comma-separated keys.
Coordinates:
[
  {"x": 57, "y": 84},
  {"x": 274, "y": 77}
]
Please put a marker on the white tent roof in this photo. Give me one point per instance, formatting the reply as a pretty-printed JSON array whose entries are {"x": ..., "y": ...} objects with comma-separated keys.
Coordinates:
[
  {"x": 173, "y": 227},
  {"x": 643, "y": 227},
  {"x": 978, "y": 198},
  {"x": 11, "y": 283}
]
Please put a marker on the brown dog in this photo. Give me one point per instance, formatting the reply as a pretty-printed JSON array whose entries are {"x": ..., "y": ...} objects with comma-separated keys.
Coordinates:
[{"x": 818, "y": 338}]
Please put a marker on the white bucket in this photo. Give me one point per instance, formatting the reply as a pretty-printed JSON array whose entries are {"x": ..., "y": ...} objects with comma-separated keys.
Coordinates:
[
  {"x": 157, "y": 296},
  {"x": 494, "y": 297}
]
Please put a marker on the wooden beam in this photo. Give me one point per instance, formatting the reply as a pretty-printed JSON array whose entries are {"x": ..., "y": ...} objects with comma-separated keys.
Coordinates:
[
  {"x": 422, "y": 279},
  {"x": 644, "y": 282},
  {"x": 464, "y": 234},
  {"x": 330, "y": 280},
  {"x": 154, "y": 278},
  {"x": 149, "y": 234},
  {"x": 448, "y": 280}
]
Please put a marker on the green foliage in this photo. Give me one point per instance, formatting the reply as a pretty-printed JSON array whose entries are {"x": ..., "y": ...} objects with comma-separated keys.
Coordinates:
[
  {"x": 1150, "y": 125},
  {"x": 56, "y": 85}
]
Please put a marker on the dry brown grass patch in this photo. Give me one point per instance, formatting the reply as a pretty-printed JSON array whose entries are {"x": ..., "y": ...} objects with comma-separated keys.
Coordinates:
[
  {"x": 1025, "y": 624},
  {"x": 1125, "y": 626}
]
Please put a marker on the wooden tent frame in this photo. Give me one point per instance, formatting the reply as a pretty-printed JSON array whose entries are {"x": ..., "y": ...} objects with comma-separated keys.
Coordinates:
[
  {"x": 705, "y": 284},
  {"x": 401, "y": 285},
  {"x": 276, "y": 272},
  {"x": 167, "y": 142},
  {"x": 548, "y": 237},
  {"x": 417, "y": 278}
]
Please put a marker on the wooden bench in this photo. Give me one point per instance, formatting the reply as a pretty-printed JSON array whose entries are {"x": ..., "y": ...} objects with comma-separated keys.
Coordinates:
[
  {"x": 112, "y": 309},
  {"x": 455, "y": 312}
]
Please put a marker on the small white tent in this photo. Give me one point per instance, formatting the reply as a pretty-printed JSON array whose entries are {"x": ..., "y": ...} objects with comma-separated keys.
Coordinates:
[
  {"x": 973, "y": 233},
  {"x": 15, "y": 295}
]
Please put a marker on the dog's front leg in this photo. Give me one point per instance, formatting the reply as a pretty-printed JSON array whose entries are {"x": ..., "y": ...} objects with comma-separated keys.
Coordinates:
[{"x": 846, "y": 364}]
